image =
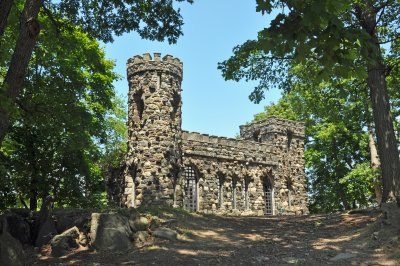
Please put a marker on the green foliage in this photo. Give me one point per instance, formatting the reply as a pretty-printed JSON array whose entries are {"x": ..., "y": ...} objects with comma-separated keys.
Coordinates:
[
  {"x": 324, "y": 31},
  {"x": 323, "y": 53},
  {"x": 67, "y": 122},
  {"x": 281, "y": 109},
  {"x": 358, "y": 182},
  {"x": 153, "y": 20}
]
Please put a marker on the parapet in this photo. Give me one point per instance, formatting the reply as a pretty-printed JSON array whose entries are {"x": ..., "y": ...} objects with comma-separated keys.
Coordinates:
[
  {"x": 205, "y": 145},
  {"x": 146, "y": 62},
  {"x": 274, "y": 125}
]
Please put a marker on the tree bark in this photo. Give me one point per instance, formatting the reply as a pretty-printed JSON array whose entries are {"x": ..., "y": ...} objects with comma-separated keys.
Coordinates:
[
  {"x": 5, "y": 7},
  {"x": 34, "y": 178},
  {"x": 375, "y": 164},
  {"x": 385, "y": 135},
  {"x": 386, "y": 138},
  {"x": 14, "y": 80}
]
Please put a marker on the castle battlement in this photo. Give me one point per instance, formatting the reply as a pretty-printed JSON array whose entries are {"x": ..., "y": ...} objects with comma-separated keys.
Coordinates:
[{"x": 146, "y": 62}]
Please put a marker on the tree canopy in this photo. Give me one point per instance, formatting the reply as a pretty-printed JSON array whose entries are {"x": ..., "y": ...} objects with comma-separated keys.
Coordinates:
[
  {"x": 345, "y": 39},
  {"x": 337, "y": 159},
  {"x": 65, "y": 123},
  {"x": 154, "y": 20}
]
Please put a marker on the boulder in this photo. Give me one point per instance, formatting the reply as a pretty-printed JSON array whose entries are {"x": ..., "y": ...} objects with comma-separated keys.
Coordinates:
[
  {"x": 142, "y": 238},
  {"x": 82, "y": 239},
  {"x": 140, "y": 223},
  {"x": 110, "y": 231},
  {"x": 46, "y": 232},
  {"x": 11, "y": 253},
  {"x": 18, "y": 226},
  {"x": 67, "y": 218},
  {"x": 155, "y": 222},
  {"x": 165, "y": 233},
  {"x": 62, "y": 243}
]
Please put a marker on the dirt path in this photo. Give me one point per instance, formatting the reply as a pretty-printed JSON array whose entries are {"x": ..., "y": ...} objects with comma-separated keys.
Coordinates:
[{"x": 213, "y": 240}]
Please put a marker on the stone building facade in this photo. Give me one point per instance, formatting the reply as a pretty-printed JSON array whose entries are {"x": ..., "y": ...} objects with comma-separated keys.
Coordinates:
[{"x": 260, "y": 173}]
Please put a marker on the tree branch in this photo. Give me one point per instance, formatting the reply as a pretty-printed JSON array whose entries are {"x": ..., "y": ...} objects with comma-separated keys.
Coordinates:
[{"x": 51, "y": 17}]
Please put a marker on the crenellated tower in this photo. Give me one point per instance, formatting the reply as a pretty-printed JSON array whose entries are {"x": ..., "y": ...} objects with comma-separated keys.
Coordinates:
[{"x": 154, "y": 129}]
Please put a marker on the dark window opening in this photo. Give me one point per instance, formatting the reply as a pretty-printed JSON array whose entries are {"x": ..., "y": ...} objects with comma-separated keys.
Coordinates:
[
  {"x": 138, "y": 99},
  {"x": 289, "y": 135},
  {"x": 175, "y": 103},
  {"x": 256, "y": 135},
  {"x": 158, "y": 81}
]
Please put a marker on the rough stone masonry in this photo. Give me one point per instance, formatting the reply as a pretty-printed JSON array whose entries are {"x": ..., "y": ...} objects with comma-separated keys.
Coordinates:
[{"x": 260, "y": 173}]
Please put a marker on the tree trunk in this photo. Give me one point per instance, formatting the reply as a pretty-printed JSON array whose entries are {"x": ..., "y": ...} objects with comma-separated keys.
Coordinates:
[
  {"x": 34, "y": 178},
  {"x": 386, "y": 138},
  {"x": 5, "y": 7},
  {"x": 14, "y": 80},
  {"x": 375, "y": 164}
]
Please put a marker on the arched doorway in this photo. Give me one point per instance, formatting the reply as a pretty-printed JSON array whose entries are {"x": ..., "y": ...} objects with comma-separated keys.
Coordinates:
[
  {"x": 268, "y": 196},
  {"x": 190, "y": 200}
]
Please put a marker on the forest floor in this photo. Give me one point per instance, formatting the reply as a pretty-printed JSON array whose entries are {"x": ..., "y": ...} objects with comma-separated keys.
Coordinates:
[{"x": 353, "y": 238}]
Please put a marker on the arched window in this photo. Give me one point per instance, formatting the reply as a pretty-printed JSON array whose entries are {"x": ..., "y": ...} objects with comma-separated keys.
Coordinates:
[{"x": 190, "y": 200}]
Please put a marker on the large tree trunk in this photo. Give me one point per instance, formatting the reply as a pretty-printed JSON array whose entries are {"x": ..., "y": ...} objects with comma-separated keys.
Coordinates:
[
  {"x": 14, "y": 80},
  {"x": 375, "y": 164},
  {"x": 386, "y": 138},
  {"x": 5, "y": 7}
]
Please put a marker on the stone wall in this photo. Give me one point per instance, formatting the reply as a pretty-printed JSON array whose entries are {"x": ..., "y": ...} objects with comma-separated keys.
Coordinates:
[
  {"x": 288, "y": 139},
  {"x": 248, "y": 165}
]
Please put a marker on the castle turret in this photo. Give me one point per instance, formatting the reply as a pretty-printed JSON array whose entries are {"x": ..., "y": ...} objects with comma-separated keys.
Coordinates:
[{"x": 154, "y": 129}]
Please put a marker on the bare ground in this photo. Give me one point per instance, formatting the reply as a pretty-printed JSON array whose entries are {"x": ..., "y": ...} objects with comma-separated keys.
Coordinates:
[{"x": 279, "y": 240}]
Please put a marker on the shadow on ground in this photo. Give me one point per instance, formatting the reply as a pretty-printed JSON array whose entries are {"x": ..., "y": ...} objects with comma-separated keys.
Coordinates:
[{"x": 283, "y": 240}]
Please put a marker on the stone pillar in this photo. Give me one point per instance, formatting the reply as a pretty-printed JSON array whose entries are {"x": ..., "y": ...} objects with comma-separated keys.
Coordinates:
[{"x": 154, "y": 129}]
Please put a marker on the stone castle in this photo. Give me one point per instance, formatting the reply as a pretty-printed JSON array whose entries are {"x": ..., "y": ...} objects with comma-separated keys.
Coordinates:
[{"x": 260, "y": 173}]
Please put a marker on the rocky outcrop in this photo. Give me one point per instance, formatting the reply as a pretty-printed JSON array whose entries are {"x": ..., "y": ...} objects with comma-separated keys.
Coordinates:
[
  {"x": 110, "y": 231},
  {"x": 11, "y": 253},
  {"x": 64, "y": 242}
]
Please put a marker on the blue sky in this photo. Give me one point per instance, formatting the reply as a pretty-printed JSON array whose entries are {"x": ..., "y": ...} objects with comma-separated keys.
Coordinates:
[{"x": 212, "y": 28}]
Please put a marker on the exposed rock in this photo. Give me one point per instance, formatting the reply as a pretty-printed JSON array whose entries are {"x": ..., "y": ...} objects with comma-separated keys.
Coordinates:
[
  {"x": 46, "y": 232},
  {"x": 62, "y": 243},
  {"x": 18, "y": 225},
  {"x": 11, "y": 253},
  {"x": 142, "y": 238},
  {"x": 165, "y": 233},
  {"x": 141, "y": 223},
  {"x": 110, "y": 231},
  {"x": 67, "y": 218},
  {"x": 82, "y": 239},
  {"x": 343, "y": 256},
  {"x": 154, "y": 223}
]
